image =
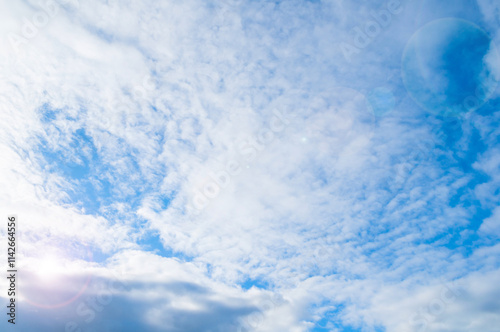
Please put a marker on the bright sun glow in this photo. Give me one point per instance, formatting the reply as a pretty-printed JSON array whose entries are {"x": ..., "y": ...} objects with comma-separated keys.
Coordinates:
[{"x": 48, "y": 266}]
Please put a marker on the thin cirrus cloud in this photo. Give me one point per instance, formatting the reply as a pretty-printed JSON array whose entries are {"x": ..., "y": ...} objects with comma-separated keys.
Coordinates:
[{"x": 336, "y": 194}]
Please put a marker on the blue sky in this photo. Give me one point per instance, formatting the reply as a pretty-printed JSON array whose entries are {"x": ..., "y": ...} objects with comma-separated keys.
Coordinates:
[{"x": 252, "y": 165}]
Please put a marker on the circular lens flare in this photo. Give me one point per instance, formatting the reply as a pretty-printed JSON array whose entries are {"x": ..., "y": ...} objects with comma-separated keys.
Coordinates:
[{"x": 57, "y": 270}]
